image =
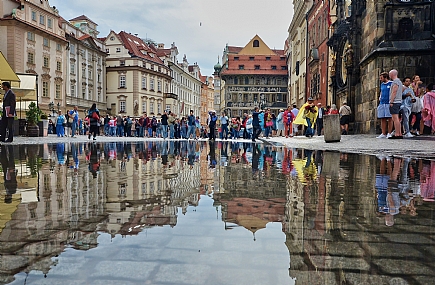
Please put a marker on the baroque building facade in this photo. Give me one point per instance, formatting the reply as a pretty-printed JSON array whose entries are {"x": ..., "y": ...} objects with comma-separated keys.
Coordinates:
[
  {"x": 136, "y": 77},
  {"x": 34, "y": 43},
  {"x": 85, "y": 65},
  {"x": 297, "y": 53},
  {"x": 254, "y": 75}
]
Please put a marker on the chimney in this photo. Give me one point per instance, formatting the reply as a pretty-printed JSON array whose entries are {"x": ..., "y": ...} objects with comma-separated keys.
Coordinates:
[{"x": 161, "y": 46}]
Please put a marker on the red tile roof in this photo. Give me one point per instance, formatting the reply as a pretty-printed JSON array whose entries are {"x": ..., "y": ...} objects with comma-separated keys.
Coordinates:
[
  {"x": 84, "y": 37},
  {"x": 249, "y": 65},
  {"x": 163, "y": 51},
  {"x": 137, "y": 47},
  {"x": 82, "y": 18},
  {"x": 232, "y": 49}
]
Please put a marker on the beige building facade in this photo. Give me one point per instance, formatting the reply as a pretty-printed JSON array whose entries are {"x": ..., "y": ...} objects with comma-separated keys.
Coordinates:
[
  {"x": 136, "y": 77},
  {"x": 85, "y": 65},
  {"x": 297, "y": 53},
  {"x": 33, "y": 43}
]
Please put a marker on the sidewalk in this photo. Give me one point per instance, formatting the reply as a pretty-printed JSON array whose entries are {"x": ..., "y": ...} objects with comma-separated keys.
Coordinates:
[{"x": 421, "y": 147}]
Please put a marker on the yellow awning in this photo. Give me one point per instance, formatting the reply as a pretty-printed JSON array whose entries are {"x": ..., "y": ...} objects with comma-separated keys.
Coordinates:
[
  {"x": 26, "y": 90},
  {"x": 6, "y": 72}
]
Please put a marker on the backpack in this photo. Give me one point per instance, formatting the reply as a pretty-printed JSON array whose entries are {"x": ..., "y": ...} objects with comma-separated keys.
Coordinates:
[{"x": 289, "y": 118}]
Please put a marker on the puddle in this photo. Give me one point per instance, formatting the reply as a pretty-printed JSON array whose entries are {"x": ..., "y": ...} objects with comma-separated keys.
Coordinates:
[{"x": 213, "y": 213}]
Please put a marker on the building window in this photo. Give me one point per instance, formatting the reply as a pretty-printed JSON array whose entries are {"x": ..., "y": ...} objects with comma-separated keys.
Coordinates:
[
  {"x": 46, "y": 42},
  {"x": 58, "y": 91},
  {"x": 283, "y": 67},
  {"x": 256, "y": 43},
  {"x": 49, "y": 23},
  {"x": 144, "y": 83},
  {"x": 152, "y": 84},
  {"x": 83, "y": 72},
  {"x": 241, "y": 67},
  {"x": 99, "y": 77},
  {"x": 46, "y": 61},
  {"x": 90, "y": 74},
  {"x": 273, "y": 67},
  {"x": 42, "y": 20},
  {"x": 30, "y": 36},
  {"x": 267, "y": 58},
  {"x": 72, "y": 49},
  {"x": 168, "y": 108},
  {"x": 107, "y": 50},
  {"x": 45, "y": 89},
  {"x": 58, "y": 47},
  {"x": 58, "y": 66},
  {"x": 256, "y": 67},
  {"x": 144, "y": 106},
  {"x": 236, "y": 58},
  {"x": 159, "y": 108},
  {"x": 152, "y": 107},
  {"x": 73, "y": 91},
  {"x": 122, "y": 62},
  {"x": 90, "y": 94},
  {"x": 30, "y": 58},
  {"x": 278, "y": 82},
  {"x": 122, "y": 106},
  {"x": 72, "y": 69},
  {"x": 83, "y": 92},
  {"x": 33, "y": 16},
  {"x": 315, "y": 84},
  {"x": 251, "y": 58},
  {"x": 122, "y": 81},
  {"x": 118, "y": 49},
  {"x": 166, "y": 87},
  {"x": 159, "y": 86}
]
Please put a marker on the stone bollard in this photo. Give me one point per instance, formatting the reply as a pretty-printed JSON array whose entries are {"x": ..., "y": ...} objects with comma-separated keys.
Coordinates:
[{"x": 331, "y": 128}]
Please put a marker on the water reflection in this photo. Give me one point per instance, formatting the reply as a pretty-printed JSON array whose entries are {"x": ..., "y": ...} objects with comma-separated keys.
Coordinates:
[{"x": 342, "y": 218}]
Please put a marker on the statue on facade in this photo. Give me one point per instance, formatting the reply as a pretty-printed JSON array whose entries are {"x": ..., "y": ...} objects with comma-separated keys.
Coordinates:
[
  {"x": 334, "y": 64},
  {"x": 136, "y": 108},
  {"x": 348, "y": 56}
]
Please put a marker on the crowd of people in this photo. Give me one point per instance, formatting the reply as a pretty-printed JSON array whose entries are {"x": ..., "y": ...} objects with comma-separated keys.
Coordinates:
[{"x": 406, "y": 108}]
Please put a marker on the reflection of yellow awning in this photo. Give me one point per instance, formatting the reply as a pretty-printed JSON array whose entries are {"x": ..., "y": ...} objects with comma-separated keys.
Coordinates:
[
  {"x": 7, "y": 210},
  {"x": 6, "y": 72}
]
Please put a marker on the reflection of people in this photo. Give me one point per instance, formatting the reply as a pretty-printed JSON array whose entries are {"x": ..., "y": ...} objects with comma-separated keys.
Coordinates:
[
  {"x": 10, "y": 176},
  {"x": 212, "y": 154},
  {"x": 7, "y": 122},
  {"x": 94, "y": 160}
]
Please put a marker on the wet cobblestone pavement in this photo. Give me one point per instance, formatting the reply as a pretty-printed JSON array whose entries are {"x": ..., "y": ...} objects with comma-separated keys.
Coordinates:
[{"x": 175, "y": 212}]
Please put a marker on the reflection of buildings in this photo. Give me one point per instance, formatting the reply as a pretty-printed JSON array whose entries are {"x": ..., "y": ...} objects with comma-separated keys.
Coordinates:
[
  {"x": 67, "y": 211},
  {"x": 144, "y": 193}
]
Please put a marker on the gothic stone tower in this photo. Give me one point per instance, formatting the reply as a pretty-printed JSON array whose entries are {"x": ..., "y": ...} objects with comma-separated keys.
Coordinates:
[{"x": 375, "y": 36}]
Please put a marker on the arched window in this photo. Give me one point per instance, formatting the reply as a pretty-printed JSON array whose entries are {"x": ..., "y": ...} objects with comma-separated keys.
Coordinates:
[
  {"x": 404, "y": 31},
  {"x": 256, "y": 43}
]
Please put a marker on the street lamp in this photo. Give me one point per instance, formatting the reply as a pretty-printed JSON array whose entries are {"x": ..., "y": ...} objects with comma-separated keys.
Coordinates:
[
  {"x": 51, "y": 107},
  {"x": 58, "y": 106}
]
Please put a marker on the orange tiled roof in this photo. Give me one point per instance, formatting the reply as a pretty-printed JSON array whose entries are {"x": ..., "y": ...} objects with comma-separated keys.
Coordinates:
[
  {"x": 249, "y": 66},
  {"x": 137, "y": 47},
  {"x": 163, "y": 51},
  {"x": 233, "y": 49}
]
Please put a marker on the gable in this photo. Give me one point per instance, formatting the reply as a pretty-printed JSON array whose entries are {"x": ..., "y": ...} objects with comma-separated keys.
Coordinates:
[
  {"x": 256, "y": 46},
  {"x": 112, "y": 39}
]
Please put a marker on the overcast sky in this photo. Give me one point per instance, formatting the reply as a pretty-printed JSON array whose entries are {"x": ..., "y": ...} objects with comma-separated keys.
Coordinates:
[{"x": 199, "y": 28}]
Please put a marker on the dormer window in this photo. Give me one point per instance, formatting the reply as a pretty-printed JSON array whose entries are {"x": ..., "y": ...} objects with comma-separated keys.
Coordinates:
[
  {"x": 118, "y": 49},
  {"x": 256, "y": 43}
]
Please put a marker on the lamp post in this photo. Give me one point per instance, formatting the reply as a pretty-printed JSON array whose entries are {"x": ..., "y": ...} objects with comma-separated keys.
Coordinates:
[
  {"x": 58, "y": 106},
  {"x": 51, "y": 107}
]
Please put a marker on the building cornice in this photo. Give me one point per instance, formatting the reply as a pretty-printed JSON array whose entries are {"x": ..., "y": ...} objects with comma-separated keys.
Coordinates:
[
  {"x": 12, "y": 21},
  {"x": 137, "y": 68}
]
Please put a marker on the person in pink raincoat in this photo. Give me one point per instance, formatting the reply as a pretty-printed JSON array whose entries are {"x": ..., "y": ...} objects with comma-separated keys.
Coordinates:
[{"x": 428, "y": 112}]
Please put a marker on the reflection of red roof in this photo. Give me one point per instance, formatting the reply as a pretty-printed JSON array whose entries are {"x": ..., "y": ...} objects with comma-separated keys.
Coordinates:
[
  {"x": 249, "y": 66},
  {"x": 137, "y": 47}
]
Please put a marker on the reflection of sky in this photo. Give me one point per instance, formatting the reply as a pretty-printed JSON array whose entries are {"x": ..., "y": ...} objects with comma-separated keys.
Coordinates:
[{"x": 198, "y": 250}]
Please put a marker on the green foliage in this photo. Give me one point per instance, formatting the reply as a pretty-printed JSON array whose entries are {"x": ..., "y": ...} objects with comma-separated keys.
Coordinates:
[
  {"x": 44, "y": 116},
  {"x": 33, "y": 114}
]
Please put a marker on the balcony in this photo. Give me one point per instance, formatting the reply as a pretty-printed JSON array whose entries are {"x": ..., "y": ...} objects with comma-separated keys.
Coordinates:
[{"x": 170, "y": 96}]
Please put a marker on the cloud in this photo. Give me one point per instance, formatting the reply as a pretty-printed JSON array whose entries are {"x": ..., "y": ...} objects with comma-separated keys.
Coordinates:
[{"x": 165, "y": 21}]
